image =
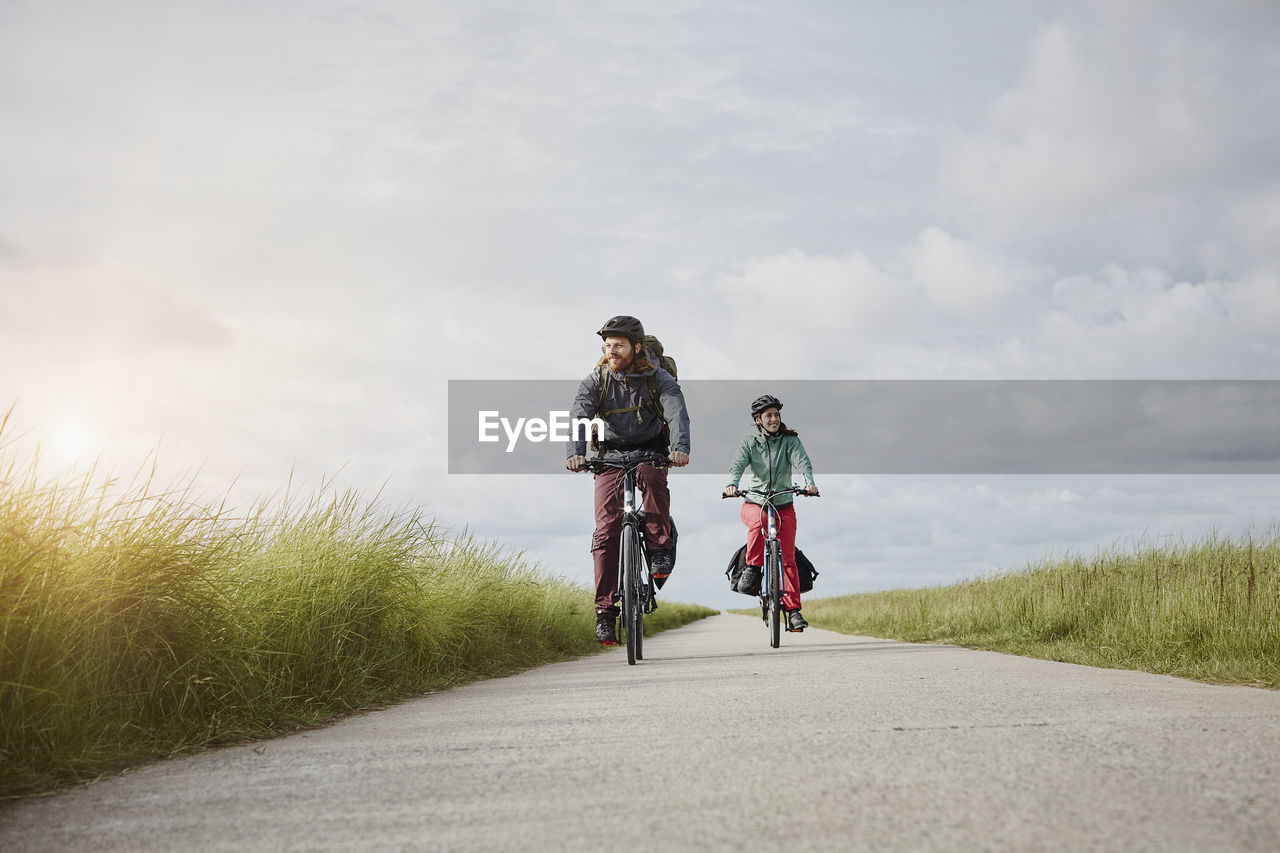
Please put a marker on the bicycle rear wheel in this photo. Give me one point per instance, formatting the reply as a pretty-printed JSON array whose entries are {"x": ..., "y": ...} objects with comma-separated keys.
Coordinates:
[
  {"x": 775, "y": 595},
  {"x": 631, "y": 609}
]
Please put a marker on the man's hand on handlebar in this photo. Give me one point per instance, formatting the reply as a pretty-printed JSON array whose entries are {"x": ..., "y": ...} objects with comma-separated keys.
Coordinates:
[
  {"x": 582, "y": 463},
  {"x": 811, "y": 490},
  {"x": 730, "y": 492}
]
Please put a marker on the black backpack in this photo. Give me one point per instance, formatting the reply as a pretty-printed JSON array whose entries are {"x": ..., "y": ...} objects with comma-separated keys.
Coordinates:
[{"x": 738, "y": 564}]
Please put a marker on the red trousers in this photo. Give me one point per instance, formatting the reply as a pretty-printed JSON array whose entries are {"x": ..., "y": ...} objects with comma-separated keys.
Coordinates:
[
  {"x": 604, "y": 544},
  {"x": 755, "y": 517}
]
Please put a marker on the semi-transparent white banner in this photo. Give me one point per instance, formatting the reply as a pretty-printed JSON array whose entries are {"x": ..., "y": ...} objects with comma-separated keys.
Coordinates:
[{"x": 912, "y": 426}]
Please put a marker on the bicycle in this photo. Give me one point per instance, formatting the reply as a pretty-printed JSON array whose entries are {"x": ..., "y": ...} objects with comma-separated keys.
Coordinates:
[
  {"x": 773, "y": 579},
  {"x": 636, "y": 590}
]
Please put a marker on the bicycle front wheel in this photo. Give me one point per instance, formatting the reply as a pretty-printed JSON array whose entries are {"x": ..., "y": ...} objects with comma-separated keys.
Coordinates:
[
  {"x": 774, "y": 569},
  {"x": 631, "y": 610},
  {"x": 642, "y": 601}
]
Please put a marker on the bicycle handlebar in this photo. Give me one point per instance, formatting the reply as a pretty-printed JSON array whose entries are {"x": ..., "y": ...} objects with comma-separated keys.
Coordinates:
[
  {"x": 597, "y": 466},
  {"x": 770, "y": 494}
]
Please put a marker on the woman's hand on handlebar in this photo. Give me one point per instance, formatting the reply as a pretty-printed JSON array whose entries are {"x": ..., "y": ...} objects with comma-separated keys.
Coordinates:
[{"x": 735, "y": 492}]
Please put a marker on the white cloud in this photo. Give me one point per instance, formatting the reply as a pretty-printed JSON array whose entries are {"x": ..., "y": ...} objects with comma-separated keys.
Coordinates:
[
  {"x": 948, "y": 308},
  {"x": 971, "y": 284},
  {"x": 1137, "y": 134},
  {"x": 796, "y": 292}
]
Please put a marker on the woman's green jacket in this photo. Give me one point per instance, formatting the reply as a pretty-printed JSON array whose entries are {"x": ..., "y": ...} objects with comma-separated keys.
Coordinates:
[{"x": 768, "y": 462}]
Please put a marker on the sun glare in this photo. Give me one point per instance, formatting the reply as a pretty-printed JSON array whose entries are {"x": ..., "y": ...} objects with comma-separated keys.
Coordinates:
[
  {"x": 67, "y": 444},
  {"x": 68, "y": 441}
]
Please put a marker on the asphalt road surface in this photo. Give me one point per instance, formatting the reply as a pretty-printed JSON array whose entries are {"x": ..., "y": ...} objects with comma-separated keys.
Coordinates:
[{"x": 717, "y": 742}]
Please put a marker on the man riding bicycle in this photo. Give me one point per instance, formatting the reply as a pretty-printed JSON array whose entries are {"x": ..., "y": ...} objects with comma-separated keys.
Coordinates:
[{"x": 644, "y": 414}]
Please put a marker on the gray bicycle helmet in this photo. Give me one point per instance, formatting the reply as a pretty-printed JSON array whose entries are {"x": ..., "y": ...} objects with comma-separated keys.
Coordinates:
[
  {"x": 623, "y": 326},
  {"x": 765, "y": 401}
]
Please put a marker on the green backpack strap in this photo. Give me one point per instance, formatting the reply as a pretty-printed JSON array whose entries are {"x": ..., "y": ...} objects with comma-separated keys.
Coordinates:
[
  {"x": 604, "y": 388},
  {"x": 604, "y": 385},
  {"x": 657, "y": 407}
]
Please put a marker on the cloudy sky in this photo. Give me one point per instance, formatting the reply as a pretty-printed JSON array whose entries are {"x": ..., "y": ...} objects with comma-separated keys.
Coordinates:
[{"x": 265, "y": 235}]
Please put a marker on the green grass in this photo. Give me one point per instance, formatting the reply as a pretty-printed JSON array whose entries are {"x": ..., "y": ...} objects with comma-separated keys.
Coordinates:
[
  {"x": 1208, "y": 611},
  {"x": 135, "y": 625}
]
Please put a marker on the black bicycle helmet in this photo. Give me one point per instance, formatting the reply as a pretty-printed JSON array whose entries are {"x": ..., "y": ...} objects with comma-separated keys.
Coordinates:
[
  {"x": 765, "y": 401},
  {"x": 623, "y": 326}
]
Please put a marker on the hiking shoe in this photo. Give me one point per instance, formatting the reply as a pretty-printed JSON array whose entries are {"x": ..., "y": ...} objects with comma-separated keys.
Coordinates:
[
  {"x": 749, "y": 581},
  {"x": 606, "y": 629},
  {"x": 795, "y": 622},
  {"x": 660, "y": 564}
]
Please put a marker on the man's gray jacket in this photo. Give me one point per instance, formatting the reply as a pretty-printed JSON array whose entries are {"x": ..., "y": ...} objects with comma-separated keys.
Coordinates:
[{"x": 629, "y": 411}]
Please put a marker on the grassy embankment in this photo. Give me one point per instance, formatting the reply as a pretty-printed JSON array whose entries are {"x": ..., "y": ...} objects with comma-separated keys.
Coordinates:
[
  {"x": 135, "y": 626},
  {"x": 1208, "y": 611}
]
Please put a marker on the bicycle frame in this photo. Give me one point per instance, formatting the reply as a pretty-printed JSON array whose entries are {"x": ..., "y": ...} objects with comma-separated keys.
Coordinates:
[
  {"x": 636, "y": 589},
  {"x": 771, "y": 539}
]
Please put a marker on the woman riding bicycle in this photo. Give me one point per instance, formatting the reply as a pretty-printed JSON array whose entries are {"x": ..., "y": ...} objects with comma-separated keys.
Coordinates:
[{"x": 768, "y": 456}]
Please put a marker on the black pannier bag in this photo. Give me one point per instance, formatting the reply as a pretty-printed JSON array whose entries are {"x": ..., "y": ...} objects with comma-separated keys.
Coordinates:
[
  {"x": 804, "y": 568},
  {"x": 738, "y": 564},
  {"x": 675, "y": 538}
]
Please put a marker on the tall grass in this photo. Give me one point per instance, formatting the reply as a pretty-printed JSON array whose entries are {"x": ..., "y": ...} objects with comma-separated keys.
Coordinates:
[
  {"x": 1208, "y": 610},
  {"x": 135, "y": 625}
]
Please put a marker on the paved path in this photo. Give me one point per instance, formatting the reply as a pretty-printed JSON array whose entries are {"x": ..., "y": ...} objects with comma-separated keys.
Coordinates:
[{"x": 716, "y": 742}]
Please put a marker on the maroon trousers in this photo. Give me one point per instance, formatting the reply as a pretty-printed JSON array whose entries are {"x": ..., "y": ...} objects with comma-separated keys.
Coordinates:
[
  {"x": 604, "y": 544},
  {"x": 754, "y": 517}
]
